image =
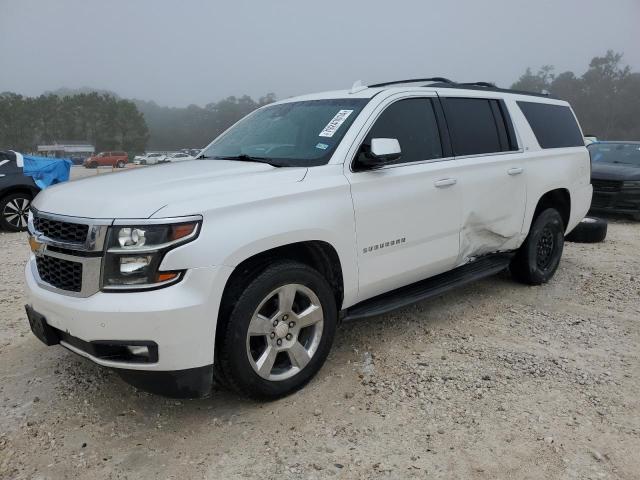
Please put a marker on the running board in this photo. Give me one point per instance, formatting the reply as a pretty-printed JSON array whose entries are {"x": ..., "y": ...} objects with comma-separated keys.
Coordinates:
[{"x": 431, "y": 287}]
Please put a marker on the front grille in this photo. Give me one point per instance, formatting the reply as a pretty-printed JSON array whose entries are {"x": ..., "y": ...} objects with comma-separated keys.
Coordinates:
[
  {"x": 606, "y": 185},
  {"x": 60, "y": 273},
  {"x": 61, "y": 231}
]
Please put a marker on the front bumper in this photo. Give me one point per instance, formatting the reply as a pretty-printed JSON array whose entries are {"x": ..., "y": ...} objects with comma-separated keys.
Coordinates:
[
  {"x": 621, "y": 201},
  {"x": 180, "y": 319}
]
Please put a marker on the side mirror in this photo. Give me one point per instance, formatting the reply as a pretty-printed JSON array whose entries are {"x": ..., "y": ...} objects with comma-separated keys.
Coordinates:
[{"x": 381, "y": 152}]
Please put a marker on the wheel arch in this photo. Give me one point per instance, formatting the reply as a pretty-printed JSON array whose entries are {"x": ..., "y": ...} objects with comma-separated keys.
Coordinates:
[
  {"x": 558, "y": 198},
  {"x": 18, "y": 189},
  {"x": 318, "y": 254}
]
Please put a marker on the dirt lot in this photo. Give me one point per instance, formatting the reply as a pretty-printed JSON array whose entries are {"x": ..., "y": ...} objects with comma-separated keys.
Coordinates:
[{"x": 493, "y": 380}]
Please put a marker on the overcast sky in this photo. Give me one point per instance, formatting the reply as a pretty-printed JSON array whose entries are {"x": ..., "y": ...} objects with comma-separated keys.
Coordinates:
[{"x": 178, "y": 52}]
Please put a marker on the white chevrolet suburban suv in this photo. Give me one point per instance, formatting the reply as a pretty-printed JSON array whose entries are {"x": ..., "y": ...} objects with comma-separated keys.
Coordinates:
[{"x": 239, "y": 265}]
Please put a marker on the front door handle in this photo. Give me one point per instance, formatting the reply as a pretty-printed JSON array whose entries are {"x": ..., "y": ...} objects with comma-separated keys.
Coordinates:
[
  {"x": 515, "y": 171},
  {"x": 445, "y": 182}
]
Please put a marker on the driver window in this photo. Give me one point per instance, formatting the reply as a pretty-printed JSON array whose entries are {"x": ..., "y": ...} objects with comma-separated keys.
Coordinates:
[{"x": 412, "y": 122}]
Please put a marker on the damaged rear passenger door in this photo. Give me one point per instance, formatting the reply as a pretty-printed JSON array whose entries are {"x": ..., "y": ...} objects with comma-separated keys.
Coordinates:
[{"x": 491, "y": 174}]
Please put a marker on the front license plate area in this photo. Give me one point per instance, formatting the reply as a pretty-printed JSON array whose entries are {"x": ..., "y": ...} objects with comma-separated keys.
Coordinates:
[{"x": 40, "y": 328}]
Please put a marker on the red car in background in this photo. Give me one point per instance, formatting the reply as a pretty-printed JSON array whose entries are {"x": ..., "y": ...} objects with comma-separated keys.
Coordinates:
[{"x": 107, "y": 159}]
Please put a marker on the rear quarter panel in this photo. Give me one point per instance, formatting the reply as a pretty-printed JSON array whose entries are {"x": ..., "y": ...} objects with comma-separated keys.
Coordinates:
[{"x": 552, "y": 168}]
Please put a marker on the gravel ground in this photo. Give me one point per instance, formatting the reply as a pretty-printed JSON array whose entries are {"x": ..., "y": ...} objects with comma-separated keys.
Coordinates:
[{"x": 493, "y": 380}]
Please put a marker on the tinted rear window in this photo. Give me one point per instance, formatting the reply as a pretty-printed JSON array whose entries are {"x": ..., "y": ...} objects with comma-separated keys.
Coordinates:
[
  {"x": 553, "y": 125},
  {"x": 478, "y": 126}
]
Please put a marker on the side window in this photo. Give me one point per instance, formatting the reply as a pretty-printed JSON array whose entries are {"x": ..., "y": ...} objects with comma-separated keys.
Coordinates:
[
  {"x": 553, "y": 125},
  {"x": 413, "y": 123},
  {"x": 479, "y": 126}
]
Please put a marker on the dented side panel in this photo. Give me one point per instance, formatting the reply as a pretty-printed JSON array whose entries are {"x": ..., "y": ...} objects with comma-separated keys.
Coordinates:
[{"x": 494, "y": 204}]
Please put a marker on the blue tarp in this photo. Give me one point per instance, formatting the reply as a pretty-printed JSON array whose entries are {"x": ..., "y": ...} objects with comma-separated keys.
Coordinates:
[{"x": 47, "y": 171}]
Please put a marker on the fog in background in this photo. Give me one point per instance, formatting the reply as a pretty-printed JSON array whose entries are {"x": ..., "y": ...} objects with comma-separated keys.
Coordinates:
[{"x": 195, "y": 51}]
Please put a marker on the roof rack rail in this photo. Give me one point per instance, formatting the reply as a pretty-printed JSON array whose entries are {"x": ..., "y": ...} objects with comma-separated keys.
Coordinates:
[
  {"x": 441, "y": 82},
  {"x": 481, "y": 84},
  {"x": 488, "y": 88},
  {"x": 413, "y": 80}
]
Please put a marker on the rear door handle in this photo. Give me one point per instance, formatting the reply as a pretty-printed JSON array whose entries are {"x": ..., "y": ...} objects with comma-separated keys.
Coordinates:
[
  {"x": 445, "y": 182},
  {"x": 515, "y": 171}
]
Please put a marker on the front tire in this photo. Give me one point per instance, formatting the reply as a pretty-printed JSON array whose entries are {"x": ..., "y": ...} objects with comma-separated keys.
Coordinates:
[
  {"x": 14, "y": 211},
  {"x": 538, "y": 257},
  {"x": 279, "y": 332}
]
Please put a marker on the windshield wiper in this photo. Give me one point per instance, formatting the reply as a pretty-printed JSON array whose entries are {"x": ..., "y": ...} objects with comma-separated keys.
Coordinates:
[{"x": 248, "y": 158}]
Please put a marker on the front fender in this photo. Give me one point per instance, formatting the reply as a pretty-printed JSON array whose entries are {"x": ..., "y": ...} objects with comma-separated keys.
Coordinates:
[{"x": 317, "y": 209}]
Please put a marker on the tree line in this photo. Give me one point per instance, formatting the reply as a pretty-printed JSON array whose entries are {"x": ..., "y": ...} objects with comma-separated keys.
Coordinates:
[
  {"x": 193, "y": 126},
  {"x": 107, "y": 122},
  {"x": 605, "y": 98},
  {"x": 111, "y": 123}
]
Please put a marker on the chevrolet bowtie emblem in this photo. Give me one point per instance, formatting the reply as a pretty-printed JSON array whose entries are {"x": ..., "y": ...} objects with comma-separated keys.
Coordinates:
[{"x": 36, "y": 246}]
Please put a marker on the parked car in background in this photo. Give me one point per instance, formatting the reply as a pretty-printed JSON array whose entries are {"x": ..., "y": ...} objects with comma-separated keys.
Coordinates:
[
  {"x": 150, "y": 159},
  {"x": 107, "y": 159},
  {"x": 349, "y": 205},
  {"x": 16, "y": 192},
  {"x": 77, "y": 159},
  {"x": 178, "y": 157},
  {"x": 615, "y": 176}
]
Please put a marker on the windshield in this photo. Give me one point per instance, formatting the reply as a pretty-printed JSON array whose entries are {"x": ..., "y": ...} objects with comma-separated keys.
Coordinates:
[
  {"x": 288, "y": 134},
  {"x": 623, "y": 153}
]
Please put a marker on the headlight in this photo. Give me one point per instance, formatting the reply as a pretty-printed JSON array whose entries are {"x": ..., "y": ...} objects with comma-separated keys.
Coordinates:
[
  {"x": 135, "y": 252},
  {"x": 632, "y": 184}
]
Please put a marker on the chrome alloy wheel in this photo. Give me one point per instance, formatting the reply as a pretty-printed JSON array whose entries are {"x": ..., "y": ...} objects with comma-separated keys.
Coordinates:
[
  {"x": 16, "y": 212},
  {"x": 284, "y": 332}
]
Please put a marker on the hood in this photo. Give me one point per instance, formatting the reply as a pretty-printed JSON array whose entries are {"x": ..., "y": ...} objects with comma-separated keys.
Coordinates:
[
  {"x": 141, "y": 192},
  {"x": 614, "y": 171}
]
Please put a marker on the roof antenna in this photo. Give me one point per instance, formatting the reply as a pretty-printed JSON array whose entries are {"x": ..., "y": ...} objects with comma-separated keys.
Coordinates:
[{"x": 357, "y": 87}]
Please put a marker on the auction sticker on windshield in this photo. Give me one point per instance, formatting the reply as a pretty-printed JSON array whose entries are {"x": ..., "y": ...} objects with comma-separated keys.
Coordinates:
[{"x": 335, "y": 123}]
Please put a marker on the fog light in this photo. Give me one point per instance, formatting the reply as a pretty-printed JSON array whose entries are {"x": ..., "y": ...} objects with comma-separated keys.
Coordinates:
[
  {"x": 133, "y": 265},
  {"x": 138, "y": 350}
]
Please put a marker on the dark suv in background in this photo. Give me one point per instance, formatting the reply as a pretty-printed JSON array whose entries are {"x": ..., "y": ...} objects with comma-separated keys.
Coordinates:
[
  {"x": 615, "y": 177},
  {"x": 16, "y": 192}
]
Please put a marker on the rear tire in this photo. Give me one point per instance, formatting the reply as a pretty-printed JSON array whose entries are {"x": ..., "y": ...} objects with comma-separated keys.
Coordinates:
[
  {"x": 278, "y": 333},
  {"x": 120, "y": 164},
  {"x": 14, "y": 211},
  {"x": 538, "y": 257}
]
